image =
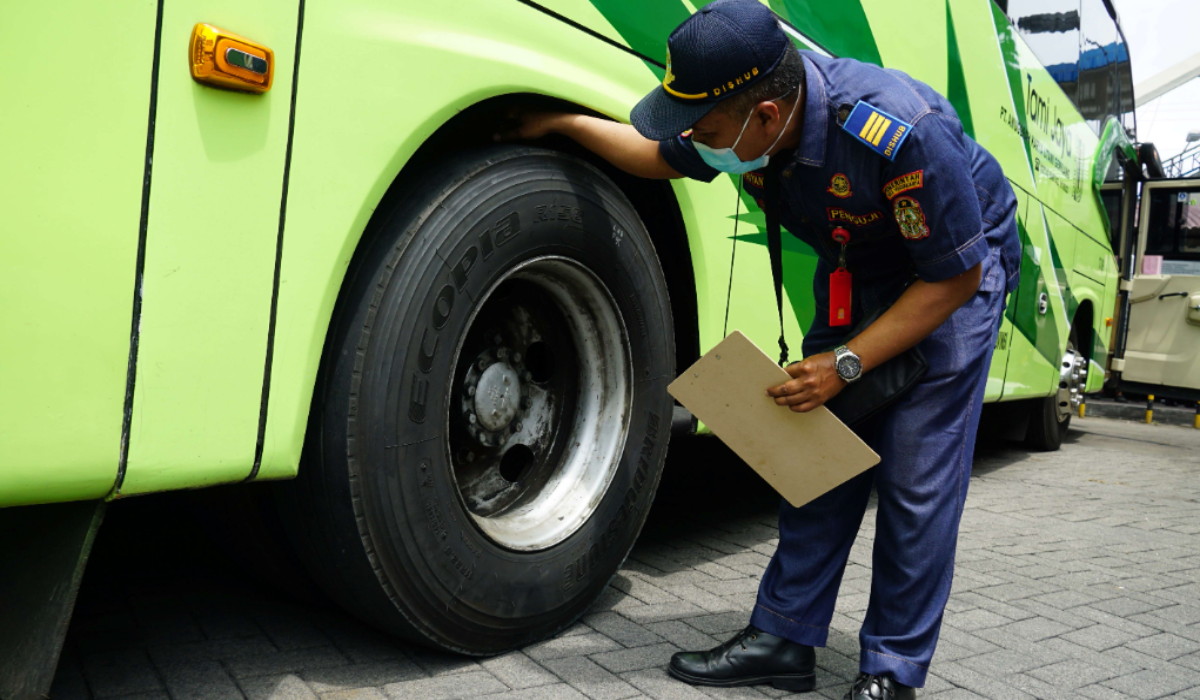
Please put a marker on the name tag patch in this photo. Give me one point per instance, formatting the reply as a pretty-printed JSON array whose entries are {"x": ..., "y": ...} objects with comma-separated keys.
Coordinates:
[
  {"x": 841, "y": 216},
  {"x": 754, "y": 182},
  {"x": 754, "y": 178},
  {"x": 880, "y": 131}
]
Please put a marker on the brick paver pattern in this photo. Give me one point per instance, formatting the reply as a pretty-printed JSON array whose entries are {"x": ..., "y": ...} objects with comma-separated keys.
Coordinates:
[{"x": 1078, "y": 577}]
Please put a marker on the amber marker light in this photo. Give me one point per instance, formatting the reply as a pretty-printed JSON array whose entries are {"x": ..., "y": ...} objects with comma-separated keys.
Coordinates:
[{"x": 225, "y": 60}]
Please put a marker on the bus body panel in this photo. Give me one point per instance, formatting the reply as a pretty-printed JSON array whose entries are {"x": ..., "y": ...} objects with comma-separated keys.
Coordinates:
[
  {"x": 376, "y": 81},
  {"x": 209, "y": 256},
  {"x": 76, "y": 92}
]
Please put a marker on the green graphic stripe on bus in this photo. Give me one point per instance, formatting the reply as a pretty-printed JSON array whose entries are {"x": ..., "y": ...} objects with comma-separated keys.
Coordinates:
[
  {"x": 799, "y": 260},
  {"x": 842, "y": 27},
  {"x": 1071, "y": 302},
  {"x": 646, "y": 27},
  {"x": 1050, "y": 347},
  {"x": 1024, "y": 313},
  {"x": 1060, "y": 270},
  {"x": 1012, "y": 65},
  {"x": 956, "y": 90},
  {"x": 799, "y": 264}
]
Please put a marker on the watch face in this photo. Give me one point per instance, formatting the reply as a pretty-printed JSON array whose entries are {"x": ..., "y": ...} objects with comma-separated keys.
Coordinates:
[{"x": 848, "y": 366}]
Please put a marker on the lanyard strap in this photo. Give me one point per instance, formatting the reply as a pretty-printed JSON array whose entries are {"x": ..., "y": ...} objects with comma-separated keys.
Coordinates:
[{"x": 775, "y": 247}]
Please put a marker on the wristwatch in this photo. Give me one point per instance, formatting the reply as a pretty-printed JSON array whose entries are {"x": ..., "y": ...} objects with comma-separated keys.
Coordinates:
[{"x": 849, "y": 365}]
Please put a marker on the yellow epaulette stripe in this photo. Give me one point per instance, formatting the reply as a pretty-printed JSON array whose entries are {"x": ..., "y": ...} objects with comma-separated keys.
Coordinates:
[{"x": 881, "y": 127}]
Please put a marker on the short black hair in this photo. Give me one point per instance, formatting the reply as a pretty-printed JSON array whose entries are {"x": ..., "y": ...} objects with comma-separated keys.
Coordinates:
[{"x": 780, "y": 82}]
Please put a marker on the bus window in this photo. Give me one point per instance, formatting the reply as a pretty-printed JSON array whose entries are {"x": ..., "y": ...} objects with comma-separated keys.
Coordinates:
[
  {"x": 1111, "y": 198},
  {"x": 1174, "y": 230},
  {"x": 1080, "y": 46}
]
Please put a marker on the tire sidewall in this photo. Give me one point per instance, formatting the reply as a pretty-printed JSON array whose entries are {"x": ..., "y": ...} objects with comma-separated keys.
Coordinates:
[{"x": 445, "y": 573}]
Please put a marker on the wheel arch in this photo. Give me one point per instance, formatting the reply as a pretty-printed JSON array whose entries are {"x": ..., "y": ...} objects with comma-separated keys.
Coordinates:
[
  {"x": 1085, "y": 332},
  {"x": 654, "y": 200},
  {"x": 1090, "y": 341},
  {"x": 469, "y": 127}
]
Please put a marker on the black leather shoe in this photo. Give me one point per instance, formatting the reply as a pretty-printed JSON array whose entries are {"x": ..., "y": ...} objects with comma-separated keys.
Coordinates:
[
  {"x": 869, "y": 687},
  {"x": 752, "y": 657}
]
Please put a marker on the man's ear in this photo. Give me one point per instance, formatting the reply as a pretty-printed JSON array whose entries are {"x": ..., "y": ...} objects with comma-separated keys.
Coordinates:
[{"x": 766, "y": 111}]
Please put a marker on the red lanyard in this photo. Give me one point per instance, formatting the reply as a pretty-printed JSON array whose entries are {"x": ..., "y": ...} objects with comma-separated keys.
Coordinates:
[{"x": 840, "y": 283}]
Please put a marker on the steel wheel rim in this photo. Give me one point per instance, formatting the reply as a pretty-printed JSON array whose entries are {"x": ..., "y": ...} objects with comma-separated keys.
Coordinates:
[
  {"x": 1071, "y": 382},
  {"x": 533, "y": 439}
]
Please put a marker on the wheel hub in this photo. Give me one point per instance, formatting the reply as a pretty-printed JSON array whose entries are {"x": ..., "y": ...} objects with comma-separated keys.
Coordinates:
[
  {"x": 543, "y": 379},
  {"x": 1072, "y": 380},
  {"x": 494, "y": 395}
]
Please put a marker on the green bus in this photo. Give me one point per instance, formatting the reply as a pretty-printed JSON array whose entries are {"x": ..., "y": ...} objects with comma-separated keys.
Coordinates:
[{"x": 277, "y": 241}]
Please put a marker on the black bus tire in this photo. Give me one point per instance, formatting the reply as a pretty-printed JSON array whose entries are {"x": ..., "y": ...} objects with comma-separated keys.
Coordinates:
[
  {"x": 491, "y": 418},
  {"x": 1050, "y": 418}
]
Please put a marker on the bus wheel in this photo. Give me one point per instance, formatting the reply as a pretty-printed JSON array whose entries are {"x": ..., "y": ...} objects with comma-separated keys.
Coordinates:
[
  {"x": 492, "y": 418},
  {"x": 1051, "y": 416}
]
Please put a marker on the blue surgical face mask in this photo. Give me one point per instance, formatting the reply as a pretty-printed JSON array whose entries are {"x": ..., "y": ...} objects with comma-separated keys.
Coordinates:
[{"x": 727, "y": 161}]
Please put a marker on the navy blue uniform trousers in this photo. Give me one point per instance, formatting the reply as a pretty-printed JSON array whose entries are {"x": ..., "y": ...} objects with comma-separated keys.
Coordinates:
[{"x": 926, "y": 441}]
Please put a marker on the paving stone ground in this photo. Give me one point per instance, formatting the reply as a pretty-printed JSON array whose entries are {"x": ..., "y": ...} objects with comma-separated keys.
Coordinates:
[{"x": 1078, "y": 577}]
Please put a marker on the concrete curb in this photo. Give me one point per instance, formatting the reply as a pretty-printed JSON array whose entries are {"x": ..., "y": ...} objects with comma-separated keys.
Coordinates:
[{"x": 1096, "y": 407}]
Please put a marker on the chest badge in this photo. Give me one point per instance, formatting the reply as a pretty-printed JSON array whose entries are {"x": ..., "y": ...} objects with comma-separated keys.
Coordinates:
[
  {"x": 879, "y": 130},
  {"x": 839, "y": 186},
  {"x": 911, "y": 219}
]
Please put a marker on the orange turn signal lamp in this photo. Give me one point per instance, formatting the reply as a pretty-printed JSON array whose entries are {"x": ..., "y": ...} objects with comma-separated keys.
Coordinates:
[{"x": 225, "y": 60}]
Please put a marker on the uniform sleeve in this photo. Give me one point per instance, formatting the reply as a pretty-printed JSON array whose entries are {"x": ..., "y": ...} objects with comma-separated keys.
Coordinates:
[
  {"x": 932, "y": 196},
  {"x": 681, "y": 155}
]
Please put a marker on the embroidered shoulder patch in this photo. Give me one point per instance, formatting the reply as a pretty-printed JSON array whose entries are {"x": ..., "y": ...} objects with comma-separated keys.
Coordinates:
[
  {"x": 904, "y": 183},
  {"x": 911, "y": 219},
  {"x": 882, "y": 132}
]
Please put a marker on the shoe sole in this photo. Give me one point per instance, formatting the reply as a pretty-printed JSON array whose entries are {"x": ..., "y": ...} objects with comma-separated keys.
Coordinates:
[{"x": 796, "y": 683}]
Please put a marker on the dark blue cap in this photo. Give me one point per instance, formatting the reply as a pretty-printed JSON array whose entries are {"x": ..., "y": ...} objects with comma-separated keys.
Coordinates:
[{"x": 724, "y": 48}]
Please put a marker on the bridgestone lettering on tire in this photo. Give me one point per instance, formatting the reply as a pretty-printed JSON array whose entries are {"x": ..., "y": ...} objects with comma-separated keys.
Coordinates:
[{"x": 492, "y": 415}]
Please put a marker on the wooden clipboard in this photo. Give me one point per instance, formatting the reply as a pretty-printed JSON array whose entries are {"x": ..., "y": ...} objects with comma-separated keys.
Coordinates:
[{"x": 801, "y": 455}]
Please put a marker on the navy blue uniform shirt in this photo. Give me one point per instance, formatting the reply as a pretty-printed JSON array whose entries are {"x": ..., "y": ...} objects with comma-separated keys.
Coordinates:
[{"x": 934, "y": 209}]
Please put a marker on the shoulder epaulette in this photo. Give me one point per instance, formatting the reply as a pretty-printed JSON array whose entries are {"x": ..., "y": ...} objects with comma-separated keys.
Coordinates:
[{"x": 880, "y": 131}]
